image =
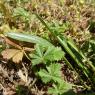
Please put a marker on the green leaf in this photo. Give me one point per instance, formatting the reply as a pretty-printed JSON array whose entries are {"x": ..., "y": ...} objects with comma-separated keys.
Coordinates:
[
  {"x": 52, "y": 73},
  {"x": 54, "y": 54},
  {"x": 44, "y": 55},
  {"x": 60, "y": 89},
  {"x": 28, "y": 38},
  {"x": 19, "y": 11},
  {"x": 38, "y": 56}
]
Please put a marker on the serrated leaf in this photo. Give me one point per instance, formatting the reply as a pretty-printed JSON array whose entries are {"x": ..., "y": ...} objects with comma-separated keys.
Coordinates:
[
  {"x": 14, "y": 54},
  {"x": 37, "y": 56},
  {"x": 52, "y": 73},
  {"x": 60, "y": 88},
  {"x": 54, "y": 54},
  {"x": 43, "y": 55}
]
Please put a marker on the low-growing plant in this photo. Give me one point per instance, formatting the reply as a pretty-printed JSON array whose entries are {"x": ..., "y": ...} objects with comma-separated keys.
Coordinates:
[
  {"x": 51, "y": 73},
  {"x": 77, "y": 55},
  {"x": 47, "y": 54}
]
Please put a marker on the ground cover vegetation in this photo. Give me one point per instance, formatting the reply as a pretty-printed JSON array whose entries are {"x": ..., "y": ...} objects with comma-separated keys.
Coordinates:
[{"x": 47, "y": 47}]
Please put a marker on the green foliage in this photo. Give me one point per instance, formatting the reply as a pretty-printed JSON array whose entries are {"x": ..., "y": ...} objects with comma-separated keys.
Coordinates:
[
  {"x": 52, "y": 73},
  {"x": 76, "y": 54},
  {"x": 59, "y": 26},
  {"x": 21, "y": 12},
  {"x": 89, "y": 50},
  {"x": 63, "y": 17},
  {"x": 60, "y": 89},
  {"x": 46, "y": 54},
  {"x": 28, "y": 38}
]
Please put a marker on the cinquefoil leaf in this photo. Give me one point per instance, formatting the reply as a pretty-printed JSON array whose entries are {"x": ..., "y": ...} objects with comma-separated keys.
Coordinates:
[
  {"x": 52, "y": 73},
  {"x": 60, "y": 89},
  {"x": 44, "y": 55}
]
